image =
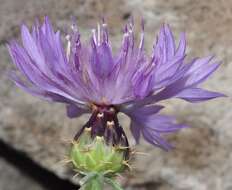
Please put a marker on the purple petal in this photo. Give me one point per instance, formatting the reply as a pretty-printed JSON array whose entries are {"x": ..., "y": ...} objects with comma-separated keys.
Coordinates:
[
  {"x": 106, "y": 59},
  {"x": 141, "y": 110},
  {"x": 31, "y": 47},
  {"x": 45, "y": 95},
  {"x": 91, "y": 73},
  {"x": 156, "y": 140},
  {"x": 142, "y": 86},
  {"x": 182, "y": 45},
  {"x": 170, "y": 42},
  {"x": 74, "y": 111},
  {"x": 153, "y": 126},
  {"x": 136, "y": 131},
  {"x": 201, "y": 70},
  {"x": 146, "y": 121},
  {"x": 162, "y": 123},
  {"x": 194, "y": 95}
]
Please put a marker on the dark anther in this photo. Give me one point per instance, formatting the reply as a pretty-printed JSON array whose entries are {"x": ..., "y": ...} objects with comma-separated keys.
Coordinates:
[{"x": 104, "y": 123}]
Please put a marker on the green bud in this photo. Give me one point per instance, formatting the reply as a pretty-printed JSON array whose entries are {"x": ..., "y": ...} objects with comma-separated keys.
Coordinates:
[
  {"x": 95, "y": 155},
  {"x": 100, "y": 149}
]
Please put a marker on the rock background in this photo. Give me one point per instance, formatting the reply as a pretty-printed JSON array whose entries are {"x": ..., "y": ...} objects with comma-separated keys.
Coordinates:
[
  {"x": 202, "y": 159},
  {"x": 9, "y": 172}
]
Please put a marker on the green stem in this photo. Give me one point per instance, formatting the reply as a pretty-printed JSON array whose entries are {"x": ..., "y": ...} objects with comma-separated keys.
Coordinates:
[
  {"x": 94, "y": 184},
  {"x": 94, "y": 181}
]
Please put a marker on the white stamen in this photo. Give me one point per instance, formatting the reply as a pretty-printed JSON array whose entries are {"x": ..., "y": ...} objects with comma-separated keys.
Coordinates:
[
  {"x": 68, "y": 49},
  {"x": 100, "y": 115},
  {"x": 94, "y": 36},
  {"x": 125, "y": 35},
  {"x": 98, "y": 34},
  {"x": 74, "y": 27},
  {"x": 110, "y": 123},
  {"x": 141, "y": 41}
]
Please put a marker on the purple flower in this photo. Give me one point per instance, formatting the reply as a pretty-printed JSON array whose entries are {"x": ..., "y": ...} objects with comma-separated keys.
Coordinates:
[{"x": 89, "y": 76}]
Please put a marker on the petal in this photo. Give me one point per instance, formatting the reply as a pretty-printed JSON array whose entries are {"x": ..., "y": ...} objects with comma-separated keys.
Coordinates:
[
  {"x": 31, "y": 47},
  {"x": 145, "y": 120},
  {"x": 194, "y": 95},
  {"x": 152, "y": 127},
  {"x": 35, "y": 91},
  {"x": 170, "y": 42},
  {"x": 142, "y": 86},
  {"x": 41, "y": 61},
  {"x": 135, "y": 130},
  {"x": 155, "y": 139},
  {"x": 134, "y": 110},
  {"x": 74, "y": 111},
  {"x": 180, "y": 51},
  {"x": 201, "y": 70},
  {"x": 162, "y": 124},
  {"x": 106, "y": 59}
]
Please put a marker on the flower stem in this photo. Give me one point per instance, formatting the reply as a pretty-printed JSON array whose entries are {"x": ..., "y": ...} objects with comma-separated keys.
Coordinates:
[
  {"x": 94, "y": 181},
  {"x": 94, "y": 184}
]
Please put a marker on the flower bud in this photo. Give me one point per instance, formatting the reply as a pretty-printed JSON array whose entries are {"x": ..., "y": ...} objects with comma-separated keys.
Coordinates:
[
  {"x": 94, "y": 155},
  {"x": 101, "y": 145}
]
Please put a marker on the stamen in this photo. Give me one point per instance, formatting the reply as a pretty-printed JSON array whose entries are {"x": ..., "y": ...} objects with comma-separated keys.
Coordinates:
[
  {"x": 88, "y": 129},
  {"x": 68, "y": 49},
  {"x": 141, "y": 45},
  {"x": 110, "y": 123},
  {"x": 99, "y": 138},
  {"x": 98, "y": 34},
  {"x": 94, "y": 36},
  {"x": 112, "y": 110},
  {"x": 105, "y": 32},
  {"x": 74, "y": 27},
  {"x": 125, "y": 42},
  {"x": 100, "y": 115}
]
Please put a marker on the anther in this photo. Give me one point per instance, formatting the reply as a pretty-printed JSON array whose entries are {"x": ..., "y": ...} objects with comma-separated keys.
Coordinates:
[
  {"x": 110, "y": 123},
  {"x": 98, "y": 138},
  {"x": 100, "y": 114},
  {"x": 112, "y": 110},
  {"x": 88, "y": 129}
]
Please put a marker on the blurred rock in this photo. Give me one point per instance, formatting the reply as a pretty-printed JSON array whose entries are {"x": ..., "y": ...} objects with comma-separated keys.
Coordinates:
[
  {"x": 12, "y": 179},
  {"x": 203, "y": 157}
]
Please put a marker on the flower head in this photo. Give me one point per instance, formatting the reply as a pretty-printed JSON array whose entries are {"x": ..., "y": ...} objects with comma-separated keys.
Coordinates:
[{"x": 89, "y": 77}]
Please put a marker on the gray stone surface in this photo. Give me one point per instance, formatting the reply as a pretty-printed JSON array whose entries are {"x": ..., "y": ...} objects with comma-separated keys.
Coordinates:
[
  {"x": 202, "y": 159},
  {"x": 12, "y": 179}
]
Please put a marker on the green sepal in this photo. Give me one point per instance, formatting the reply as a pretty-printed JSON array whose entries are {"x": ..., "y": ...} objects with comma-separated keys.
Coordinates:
[
  {"x": 94, "y": 155},
  {"x": 89, "y": 161}
]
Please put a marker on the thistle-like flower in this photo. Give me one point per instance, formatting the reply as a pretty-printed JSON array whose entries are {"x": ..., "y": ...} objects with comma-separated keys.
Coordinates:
[{"x": 89, "y": 77}]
